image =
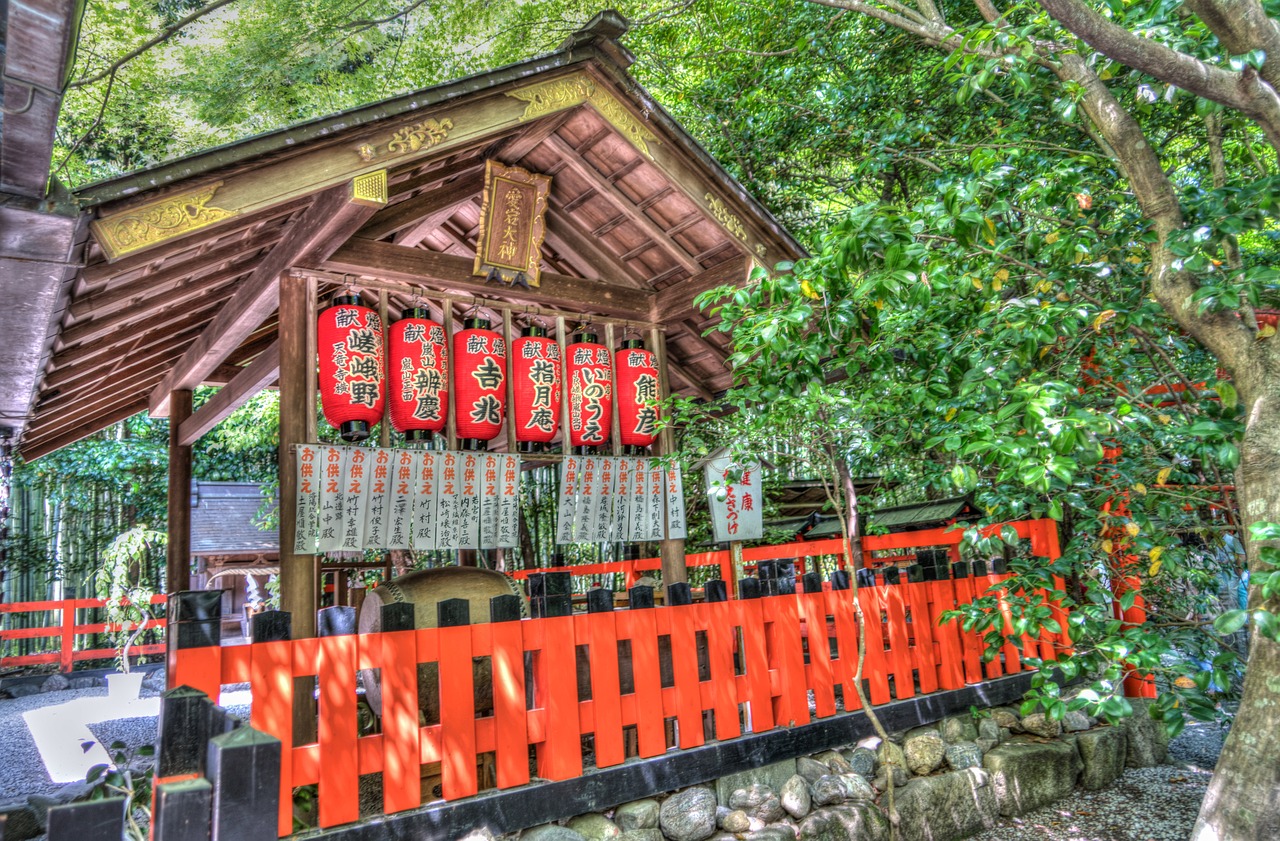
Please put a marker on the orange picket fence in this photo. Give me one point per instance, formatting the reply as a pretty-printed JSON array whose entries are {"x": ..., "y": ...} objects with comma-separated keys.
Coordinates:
[
  {"x": 734, "y": 667},
  {"x": 56, "y": 623}
]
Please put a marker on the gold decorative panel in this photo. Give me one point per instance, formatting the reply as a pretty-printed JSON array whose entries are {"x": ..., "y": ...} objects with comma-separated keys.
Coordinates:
[
  {"x": 423, "y": 135},
  {"x": 370, "y": 189},
  {"x": 157, "y": 221},
  {"x": 558, "y": 94},
  {"x": 730, "y": 220}
]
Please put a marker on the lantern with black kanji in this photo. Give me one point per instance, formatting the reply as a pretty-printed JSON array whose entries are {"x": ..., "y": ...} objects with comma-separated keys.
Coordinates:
[
  {"x": 590, "y": 391},
  {"x": 637, "y": 373},
  {"x": 352, "y": 382},
  {"x": 535, "y": 372},
  {"x": 479, "y": 383},
  {"x": 419, "y": 373}
]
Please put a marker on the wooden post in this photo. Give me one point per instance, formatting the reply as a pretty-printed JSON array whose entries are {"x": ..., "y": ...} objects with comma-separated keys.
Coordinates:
[
  {"x": 298, "y": 579},
  {"x": 178, "y": 564},
  {"x": 384, "y": 428},
  {"x": 674, "y": 570}
]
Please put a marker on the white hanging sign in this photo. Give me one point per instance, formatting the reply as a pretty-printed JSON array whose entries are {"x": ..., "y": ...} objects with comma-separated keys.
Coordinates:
[
  {"x": 639, "y": 513},
  {"x": 676, "y": 525},
  {"x": 489, "y": 500},
  {"x": 377, "y": 516},
  {"x": 310, "y": 476},
  {"x": 356, "y": 489},
  {"x": 606, "y": 491},
  {"x": 656, "y": 501},
  {"x": 508, "y": 536},
  {"x": 400, "y": 525},
  {"x": 569, "y": 487},
  {"x": 449, "y": 531},
  {"x": 468, "y": 502},
  {"x": 735, "y": 494},
  {"x": 332, "y": 498}
]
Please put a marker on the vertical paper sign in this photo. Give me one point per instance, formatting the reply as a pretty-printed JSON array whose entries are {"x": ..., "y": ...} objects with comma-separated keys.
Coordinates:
[
  {"x": 359, "y": 470},
  {"x": 606, "y": 490},
  {"x": 332, "y": 498},
  {"x": 469, "y": 503},
  {"x": 489, "y": 501},
  {"x": 428, "y": 527},
  {"x": 509, "y": 503},
  {"x": 400, "y": 525},
  {"x": 447, "y": 500},
  {"x": 622, "y": 500},
  {"x": 677, "y": 529},
  {"x": 569, "y": 478},
  {"x": 584, "y": 522},
  {"x": 734, "y": 491},
  {"x": 639, "y": 513},
  {"x": 308, "y": 511},
  {"x": 378, "y": 512},
  {"x": 657, "y": 501}
]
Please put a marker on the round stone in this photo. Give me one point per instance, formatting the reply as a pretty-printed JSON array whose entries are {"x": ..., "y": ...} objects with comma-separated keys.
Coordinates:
[
  {"x": 863, "y": 762},
  {"x": 638, "y": 814},
  {"x": 964, "y": 755},
  {"x": 758, "y": 801},
  {"x": 1039, "y": 724},
  {"x": 688, "y": 815},
  {"x": 795, "y": 797},
  {"x": 924, "y": 752}
]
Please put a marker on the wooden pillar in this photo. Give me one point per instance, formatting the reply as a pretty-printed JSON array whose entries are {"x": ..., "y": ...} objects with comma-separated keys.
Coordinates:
[
  {"x": 297, "y": 572},
  {"x": 674, "y": 570},
  {"x": 178, "y": 563}
]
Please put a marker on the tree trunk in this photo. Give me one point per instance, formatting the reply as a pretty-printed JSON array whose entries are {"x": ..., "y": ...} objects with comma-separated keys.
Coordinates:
[{"x": 1243, "y": 801}]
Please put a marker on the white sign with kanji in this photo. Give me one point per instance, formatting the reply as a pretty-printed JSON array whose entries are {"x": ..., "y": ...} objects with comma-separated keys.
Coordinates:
[
  {"x": 734, "y": 492},
  {"x": 400, "y": 528},
  {"x": 309, "y": 479},
  {"x": 333, "y": 466},
  {"x": 676, "y": 525}
]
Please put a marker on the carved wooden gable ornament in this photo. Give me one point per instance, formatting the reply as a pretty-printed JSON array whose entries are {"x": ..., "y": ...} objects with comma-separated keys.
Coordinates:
[{"x": 512, "y": 224}]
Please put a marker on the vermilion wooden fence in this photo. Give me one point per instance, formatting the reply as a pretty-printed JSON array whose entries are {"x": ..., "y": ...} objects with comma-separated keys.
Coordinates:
[
  {"x": 1042, "y": 534},
  {"x": 753, "y": 664},
  {"x": 65, "y": 633}
]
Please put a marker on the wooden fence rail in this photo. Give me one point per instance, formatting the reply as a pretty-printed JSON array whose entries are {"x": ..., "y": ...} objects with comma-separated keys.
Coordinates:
[
  {"x": 65, "y": 635},
  {"x": 734, "y": 666}
]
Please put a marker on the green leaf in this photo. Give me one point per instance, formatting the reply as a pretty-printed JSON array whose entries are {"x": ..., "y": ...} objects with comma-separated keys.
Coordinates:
[{"x": 1231, "y": 621}]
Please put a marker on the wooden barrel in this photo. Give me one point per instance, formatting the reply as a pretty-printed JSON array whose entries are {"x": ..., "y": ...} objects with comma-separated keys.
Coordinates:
[{"x": 425, "y": 589}]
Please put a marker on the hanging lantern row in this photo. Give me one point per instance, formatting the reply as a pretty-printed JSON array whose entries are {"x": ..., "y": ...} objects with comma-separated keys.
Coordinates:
[{"x": 357, "y": 376}]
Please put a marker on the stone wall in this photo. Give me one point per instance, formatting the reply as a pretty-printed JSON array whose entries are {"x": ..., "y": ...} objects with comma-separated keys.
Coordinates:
[{"x": 952, "y": 779}]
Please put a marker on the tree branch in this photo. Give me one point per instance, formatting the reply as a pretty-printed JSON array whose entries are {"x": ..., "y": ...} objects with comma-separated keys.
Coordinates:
[
  {"x": 164, "y": 35},
  {"x": 1246, "y": 92}
]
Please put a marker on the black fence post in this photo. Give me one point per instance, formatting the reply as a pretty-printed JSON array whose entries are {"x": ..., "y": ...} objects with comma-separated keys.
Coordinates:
[
  {"x": 915, "y": 573},
  {"x": 891, "y": 575},
  {"x": 840, "y": 579},
  {"x": 750, "y": 587},
  {"x": 185, "y": 715},
  {"x": 679, "y": 594},
  {"x": 559, "y": 594},
  {"x": 453, "y": 613},
  {"x": 501, "y": 609},
  {"x": 399, "y": 616},
  {"x": 272, "y": 626},
  {"x": 244, "y": 766},
  {"x": 91, "y": 820},
  {"x": 182, "y": 811},
  {"x": 960, "y": 569},
  {"x": 337, "y": 621},
  {"x": 599, "y": 600},
  {"x": 536, "y": 587},
  {"x": 812, "y": 582},
  {"x": 193, "y": 620},
  {"x": 979, "y": 568},
  {"x": 866, "y": 577},
  {"x": 716, "y": 590}
]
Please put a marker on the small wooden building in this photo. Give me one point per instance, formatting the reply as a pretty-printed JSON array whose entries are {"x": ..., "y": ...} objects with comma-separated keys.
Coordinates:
[
  {"x": 208, "y": 269},
  {"x": 229, "y": 551}
]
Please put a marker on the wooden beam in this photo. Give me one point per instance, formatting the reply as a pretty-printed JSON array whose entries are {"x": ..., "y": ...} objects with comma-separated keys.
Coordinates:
[
  {"x": 691, "y": 382},
  {"x": 618, "y": 199},
  {"x": 253, "y": 378},
  {"x": 405, "y": 213},
  {"x": 175, "y": 301},
  {"x": 42, "y": 445},
  {"x": 416, "y": 266},
  {"x": 562, "y": 230},
  {"x": 178, "y": 553},
  {"x": 331, "y": 219},
  {"x": 411, "y": 236},
  {"x": 675, "y": 302},
  {"x": 522, "y": 144}
]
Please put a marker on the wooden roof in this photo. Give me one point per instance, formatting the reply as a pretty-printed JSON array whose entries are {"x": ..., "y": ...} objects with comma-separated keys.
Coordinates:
[
  {"x": 179, "y": 283},
  {"x": 224, "y": 520}
]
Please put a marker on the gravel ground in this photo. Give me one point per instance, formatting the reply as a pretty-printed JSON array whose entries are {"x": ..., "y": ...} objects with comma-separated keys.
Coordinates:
[
  {"x": 23, "y": 772},
  {"x": 1146, "y": 804}
]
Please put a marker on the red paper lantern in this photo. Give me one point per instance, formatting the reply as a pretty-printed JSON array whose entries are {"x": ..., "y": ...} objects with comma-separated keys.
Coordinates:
[
  {"x": 535, "y": 370},
  {"x": 352, "y": 379},
  {"x": 637, "y": 372},
  {"x": 419, "y": 365},
  {"x": 590, "y": 392},
  {"x": 479, "y": 365}
]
